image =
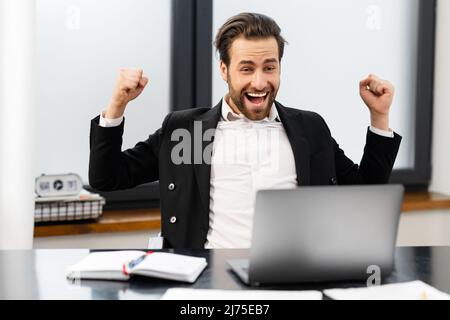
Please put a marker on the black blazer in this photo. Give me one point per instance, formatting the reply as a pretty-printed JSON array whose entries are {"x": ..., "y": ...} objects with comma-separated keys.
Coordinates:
[{"x": 184, "y": 188}]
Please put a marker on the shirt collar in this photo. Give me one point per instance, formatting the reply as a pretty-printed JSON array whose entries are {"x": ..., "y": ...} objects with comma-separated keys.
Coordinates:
[{"x": 229, "y": 115}]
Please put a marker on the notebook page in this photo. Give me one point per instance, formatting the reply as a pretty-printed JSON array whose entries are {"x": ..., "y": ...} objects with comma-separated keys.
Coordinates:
[
  {"x": 171, "y": 264},
  {"x": 99, "y": 262}
]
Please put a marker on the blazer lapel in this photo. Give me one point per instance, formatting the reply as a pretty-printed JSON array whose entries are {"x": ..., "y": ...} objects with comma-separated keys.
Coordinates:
[
  {"x": 208, "y": 120},
  {"x": 293, "y": 123}
]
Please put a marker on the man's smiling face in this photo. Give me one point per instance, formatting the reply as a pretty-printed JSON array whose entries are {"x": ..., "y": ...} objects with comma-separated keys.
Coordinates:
[{"x": 253, "y": 76}]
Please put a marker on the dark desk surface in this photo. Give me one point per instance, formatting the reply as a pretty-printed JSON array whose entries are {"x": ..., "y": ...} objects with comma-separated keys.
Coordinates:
[{"x": 40, "y": 274}]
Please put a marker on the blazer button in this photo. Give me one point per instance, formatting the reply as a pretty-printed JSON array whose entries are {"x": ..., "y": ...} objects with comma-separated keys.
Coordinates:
[
  {"x": 171, "y": 187},
  {"x": 173, "y": 220}
]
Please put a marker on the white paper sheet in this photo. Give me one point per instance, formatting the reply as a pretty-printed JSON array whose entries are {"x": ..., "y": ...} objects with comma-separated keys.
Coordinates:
[
  {"x": 211, "y": 294},
  {"x": 415, "y": 290}
]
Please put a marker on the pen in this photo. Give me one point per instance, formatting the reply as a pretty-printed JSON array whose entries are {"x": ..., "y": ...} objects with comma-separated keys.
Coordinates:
[{"x": 133, "y": 263}]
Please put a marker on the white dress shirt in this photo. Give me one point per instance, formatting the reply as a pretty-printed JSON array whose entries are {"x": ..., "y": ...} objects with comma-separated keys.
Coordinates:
[
  {"x": 107, "y": 123},
  {"x": 247, "y": 156}
]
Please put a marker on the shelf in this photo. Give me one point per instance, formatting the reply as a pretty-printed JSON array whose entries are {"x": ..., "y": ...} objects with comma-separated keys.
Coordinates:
[{"x": 149, "y": 219}]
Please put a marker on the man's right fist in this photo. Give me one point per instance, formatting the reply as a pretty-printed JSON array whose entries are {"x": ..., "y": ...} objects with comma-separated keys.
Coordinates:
[{"x": 129, "y": 85}]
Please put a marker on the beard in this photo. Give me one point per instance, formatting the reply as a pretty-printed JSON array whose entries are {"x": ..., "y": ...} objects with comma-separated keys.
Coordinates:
[{"x": 241, "y": 101}]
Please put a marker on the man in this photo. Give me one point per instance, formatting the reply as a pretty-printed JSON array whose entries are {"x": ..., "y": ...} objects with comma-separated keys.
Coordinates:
[{"x": 210, "y": 203}]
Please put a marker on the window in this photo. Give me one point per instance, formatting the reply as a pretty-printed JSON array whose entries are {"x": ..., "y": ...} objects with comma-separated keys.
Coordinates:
[
  {"x": 333, "y": 45},
  {"x": 81, "y": 44},
  {"x": 80, "y": 47}
]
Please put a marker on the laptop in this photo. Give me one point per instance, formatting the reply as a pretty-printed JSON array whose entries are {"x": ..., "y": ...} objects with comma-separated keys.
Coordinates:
[{"x": 323, "y": 233}]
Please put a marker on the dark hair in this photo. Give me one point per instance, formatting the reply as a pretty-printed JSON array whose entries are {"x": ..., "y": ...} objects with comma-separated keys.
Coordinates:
[{"x": 252, "y": 26}]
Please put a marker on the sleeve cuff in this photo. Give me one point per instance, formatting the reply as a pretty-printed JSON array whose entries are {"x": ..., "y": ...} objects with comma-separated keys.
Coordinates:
[
  {"x": 384, "y": 133},
  {"x": 108, "y": 123}
]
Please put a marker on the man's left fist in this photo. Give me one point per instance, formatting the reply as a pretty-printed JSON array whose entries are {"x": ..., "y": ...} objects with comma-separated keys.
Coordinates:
[{"x": 377, "y": 94}]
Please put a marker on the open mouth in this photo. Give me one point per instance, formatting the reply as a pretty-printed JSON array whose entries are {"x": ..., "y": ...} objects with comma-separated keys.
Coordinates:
[{"x": 255, "y": 98}]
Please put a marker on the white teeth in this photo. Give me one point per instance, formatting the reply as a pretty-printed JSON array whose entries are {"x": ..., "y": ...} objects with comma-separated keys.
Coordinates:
[{"x": 257, "y": 95}]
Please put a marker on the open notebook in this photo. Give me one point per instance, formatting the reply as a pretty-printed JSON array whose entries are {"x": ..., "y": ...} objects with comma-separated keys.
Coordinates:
[{"x": 121, "y": 265}]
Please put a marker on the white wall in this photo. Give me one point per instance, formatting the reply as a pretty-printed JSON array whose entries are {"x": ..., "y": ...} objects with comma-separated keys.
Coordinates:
[
  {"x": 424, "y": 228},
  {"x": 17, "y": 85},
  {"x": 118, "y": 240},
  {"x": 441, "y": 118}
]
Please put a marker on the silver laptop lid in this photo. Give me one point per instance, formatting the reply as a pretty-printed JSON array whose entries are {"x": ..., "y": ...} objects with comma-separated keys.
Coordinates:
[{"x": 324, "y": 233}]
